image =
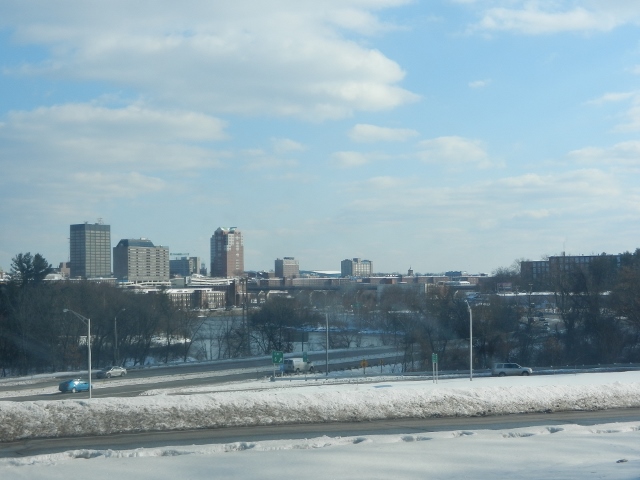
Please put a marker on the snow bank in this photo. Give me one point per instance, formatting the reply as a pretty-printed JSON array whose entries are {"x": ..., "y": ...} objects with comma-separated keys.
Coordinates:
[
  {"x": 561, "y": 452},
  {"x": 269, "y": 404}
]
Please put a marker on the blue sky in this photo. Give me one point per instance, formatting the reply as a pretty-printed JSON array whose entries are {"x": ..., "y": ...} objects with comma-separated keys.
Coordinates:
[{"x": 437, "y": 135}]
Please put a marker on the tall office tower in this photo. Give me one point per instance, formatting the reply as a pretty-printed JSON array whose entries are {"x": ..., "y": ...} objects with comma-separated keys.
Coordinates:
[
  {"x": 356, "y": 268},
  {"x": 90, "y": 250},
  {"x": 139, "y": 260},
  {"x": 227, "y": 253},
  {"x": 287, "y": 267}
]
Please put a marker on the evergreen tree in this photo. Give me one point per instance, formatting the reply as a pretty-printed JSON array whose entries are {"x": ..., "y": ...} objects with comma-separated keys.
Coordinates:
[{"x": 26, "y": 268}]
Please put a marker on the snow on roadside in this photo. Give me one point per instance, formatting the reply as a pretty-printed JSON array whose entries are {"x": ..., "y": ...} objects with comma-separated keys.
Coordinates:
[
  {"x": 270, "y": 403},
  {"x": 561, "y": 452}
]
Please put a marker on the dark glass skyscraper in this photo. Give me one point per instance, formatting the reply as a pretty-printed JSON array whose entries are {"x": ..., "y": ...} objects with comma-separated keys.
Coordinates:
[{"x": 90, "y": 250}]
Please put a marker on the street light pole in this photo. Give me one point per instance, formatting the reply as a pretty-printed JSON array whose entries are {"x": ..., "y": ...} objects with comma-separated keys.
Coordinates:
[
  {"x": 116, "y": 359},
  {"x": 326, "y": 317},
  {"x": 87, "y": 322},
  {"x": 470, "y": 341}
]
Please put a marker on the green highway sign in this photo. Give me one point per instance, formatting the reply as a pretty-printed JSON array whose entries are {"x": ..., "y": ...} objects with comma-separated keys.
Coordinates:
[{"x": 277, "y": 357}]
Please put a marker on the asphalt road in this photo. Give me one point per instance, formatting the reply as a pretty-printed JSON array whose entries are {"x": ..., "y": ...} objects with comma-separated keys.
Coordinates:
[
  {"x": 253, "y": 368},
  {"x": 264, "y": 433}
]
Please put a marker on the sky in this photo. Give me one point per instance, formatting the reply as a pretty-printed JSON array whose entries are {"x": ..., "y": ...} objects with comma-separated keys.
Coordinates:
[
  {"x": 428, "y": 134},
  {"x": 559, "y": 451}
]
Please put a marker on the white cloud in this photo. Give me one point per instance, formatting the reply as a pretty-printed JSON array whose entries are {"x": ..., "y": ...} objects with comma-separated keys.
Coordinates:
[
  {"x": 83, "y": 157},
  {"x": 89, "y": 136},
  {"x": 372, "y": 133},
  {"x": 349, "y": 159},
  {"x": 270, "y": 163},
  {"x": 288, "y": 58},
  {"x": 631, "y": 122},
  {"x": 624, "y": 154},
  {"x": 480, "y": 83},
  {"x": 536, "y": 17},
  {"x": 105, "y": 186},
  {"x": 286, "y": 145},
  {"x": 534, "y": 21},
  {"x": 386, "y": 183},
  {"x": 612, "y": 97},
  {"x": 533, "y": 214},
  {"x": 454, "y": 151},
  {"x": 556, "y": 198},
  {"x": 583, "y": 186}
]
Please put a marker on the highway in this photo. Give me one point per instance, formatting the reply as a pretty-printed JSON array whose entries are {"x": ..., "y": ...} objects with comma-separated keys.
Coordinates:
[
  {"x": 177, "y": 376},
  {"x": 194, "y": 375},
  {"x": 265, "y": 433}
]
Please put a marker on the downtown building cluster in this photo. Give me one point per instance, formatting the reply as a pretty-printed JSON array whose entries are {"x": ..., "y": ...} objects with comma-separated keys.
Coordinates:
[
  {"x": 141, "y": 265},
  {"x": 144, "y": 267},
  {"x": 139, "y": 261}
]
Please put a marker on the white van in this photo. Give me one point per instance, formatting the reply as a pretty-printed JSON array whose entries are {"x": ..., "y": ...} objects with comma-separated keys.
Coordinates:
[{"x": 297, "y": 365}]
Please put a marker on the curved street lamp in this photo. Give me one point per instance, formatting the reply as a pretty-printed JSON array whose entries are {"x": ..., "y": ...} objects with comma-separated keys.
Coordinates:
[
  {"x": 470, "y": 341},
  {"x": 87, "y": 322}
]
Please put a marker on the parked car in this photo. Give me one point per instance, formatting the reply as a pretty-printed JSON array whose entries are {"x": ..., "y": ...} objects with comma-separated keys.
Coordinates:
[
  {"x": 112, "y": 372},
  {"x": 503, "y": 369},
  {"x": 297, "y": 365},
  {"x": 74, "y": 385}
]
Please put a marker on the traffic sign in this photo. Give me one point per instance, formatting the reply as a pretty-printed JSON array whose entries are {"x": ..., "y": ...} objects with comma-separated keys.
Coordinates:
[{"x": 277, "y": 357}]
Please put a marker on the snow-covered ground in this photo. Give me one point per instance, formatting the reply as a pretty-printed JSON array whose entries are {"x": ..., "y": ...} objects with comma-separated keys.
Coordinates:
[{"x": 554, "y": 451}]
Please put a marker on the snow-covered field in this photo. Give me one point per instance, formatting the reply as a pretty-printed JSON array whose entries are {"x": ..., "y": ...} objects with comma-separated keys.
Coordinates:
[{"x": 554, "y": 451}]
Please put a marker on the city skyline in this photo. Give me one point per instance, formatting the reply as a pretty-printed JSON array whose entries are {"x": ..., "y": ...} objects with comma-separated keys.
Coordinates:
[
  {"x": 433, "y": 135},
  {"x": 140, "y": 260}
]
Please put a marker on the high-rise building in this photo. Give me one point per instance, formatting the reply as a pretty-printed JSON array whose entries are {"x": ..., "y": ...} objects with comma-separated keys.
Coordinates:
[
  {"x": 356, "y": 268},
  {"x": 90, "y": 250},
  {"x": 287, "y": 267},
  {"x": 140, "y": 261},
  {"x": 227, "y": 253}
]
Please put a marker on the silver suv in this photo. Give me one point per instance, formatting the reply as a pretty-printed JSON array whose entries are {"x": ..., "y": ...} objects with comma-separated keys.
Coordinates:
[
  {"x": 503, "y": 369},
  {"x": 112, "y": 372}
]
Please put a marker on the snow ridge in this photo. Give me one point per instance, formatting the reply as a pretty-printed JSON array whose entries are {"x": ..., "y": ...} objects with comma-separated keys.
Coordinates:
[{"x": 309, "y": 404}]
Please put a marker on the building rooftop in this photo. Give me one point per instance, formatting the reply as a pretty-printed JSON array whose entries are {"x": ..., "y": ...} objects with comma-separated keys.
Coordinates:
[{"x": 135, "y": 242}]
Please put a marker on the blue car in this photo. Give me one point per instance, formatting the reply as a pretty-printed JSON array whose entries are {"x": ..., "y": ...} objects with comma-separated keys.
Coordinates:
[{"x": 74, "y": 385}]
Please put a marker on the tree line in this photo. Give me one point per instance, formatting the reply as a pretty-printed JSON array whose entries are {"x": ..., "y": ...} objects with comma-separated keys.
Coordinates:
[
  {"x": 597, "y": 306},
  {"x": 37, "y": 335}
]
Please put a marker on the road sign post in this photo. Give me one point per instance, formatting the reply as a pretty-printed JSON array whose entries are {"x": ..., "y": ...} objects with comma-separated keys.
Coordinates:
[
  {"x": 276, "y": 358},
  {"x": 434, "y": 363}
]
